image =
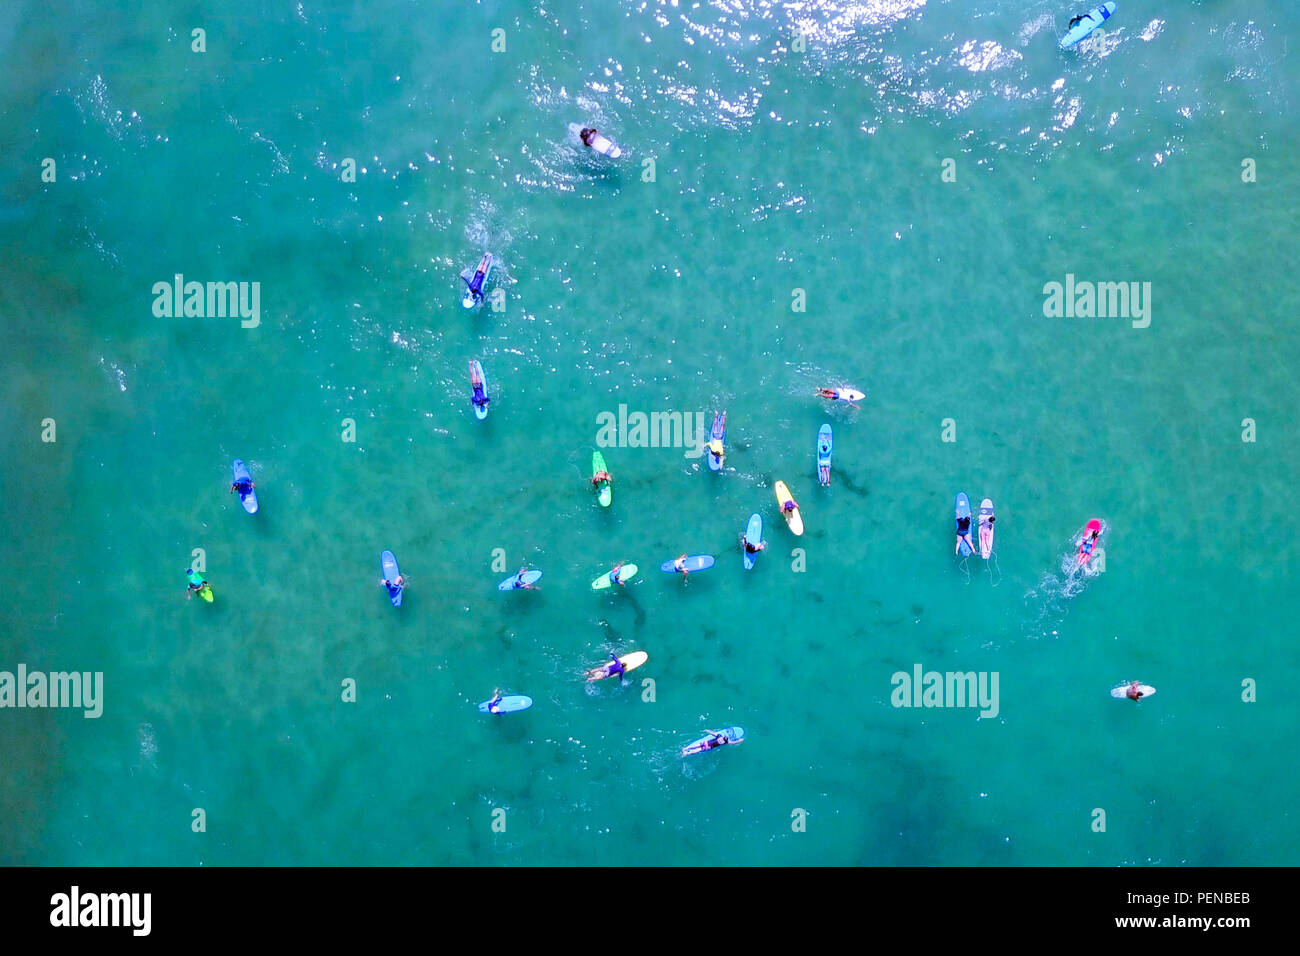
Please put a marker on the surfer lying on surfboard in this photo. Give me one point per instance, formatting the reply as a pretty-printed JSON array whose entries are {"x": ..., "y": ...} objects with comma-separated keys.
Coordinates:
[
  {"x": 717, "y": 740},
  {"x": 839, "y": 395},
  {"x": 1089, "y": 542},
  {"x": 963, "y": 534},
  {"x": 594, "y": 139},
  {"x": 476, "y": 283}
]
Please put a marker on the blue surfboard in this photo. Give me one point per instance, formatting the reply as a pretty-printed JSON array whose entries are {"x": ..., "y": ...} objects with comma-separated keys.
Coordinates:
[
  {"x": 388, "y": 565},
  {"x": 529, "y": 577},
  {"x": 825, "y": 443},
  {"x": 963, "y": 511},
  {"x": 239, "y": 472},
  {"x": 507, "y": 705},
  {"x": 1091, "y": 21},
  {"x": 753, "y": 534},
  {"x": 694, "y": 562}
]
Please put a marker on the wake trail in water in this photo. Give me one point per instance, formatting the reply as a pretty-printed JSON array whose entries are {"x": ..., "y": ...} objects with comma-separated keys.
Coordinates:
[{"x": 1056, "y": 589}]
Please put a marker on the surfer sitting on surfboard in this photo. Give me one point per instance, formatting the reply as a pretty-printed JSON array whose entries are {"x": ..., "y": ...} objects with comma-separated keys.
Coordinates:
[
  {"x": 963, "y": 534},
  {"x": 394, "y": 586},
  {"x": 494, "y": 705},
  {"x": 520, "y": 582},
  {"x": 679, "y": 565},
  {"x": 751, "y": 548},
  {"x": 613, "y": 574},
  {"x": 1134, "y": 691},
  {"x": 244, "y": 486},
  {"x": 476, "y": 284},
  {"x": 600, "y": 476}
]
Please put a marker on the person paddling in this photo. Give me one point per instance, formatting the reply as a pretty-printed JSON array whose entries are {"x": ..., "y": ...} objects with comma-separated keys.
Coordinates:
[
  {"x": 476, "y": 283},
  {"x": 963, "y": 534}
]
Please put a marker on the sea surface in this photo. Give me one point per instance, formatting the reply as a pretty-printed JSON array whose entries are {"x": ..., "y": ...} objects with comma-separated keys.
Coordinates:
[{"x": 872, "y": 194}]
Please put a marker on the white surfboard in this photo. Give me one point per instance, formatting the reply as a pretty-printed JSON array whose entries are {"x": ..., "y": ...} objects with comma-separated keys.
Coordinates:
[{"x": 986, "y": 528}]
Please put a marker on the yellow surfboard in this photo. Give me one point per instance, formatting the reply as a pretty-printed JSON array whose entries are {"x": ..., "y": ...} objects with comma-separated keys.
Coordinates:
[
  {"x": 205, "y": 592},
  {"x": 792, "y": 518}
]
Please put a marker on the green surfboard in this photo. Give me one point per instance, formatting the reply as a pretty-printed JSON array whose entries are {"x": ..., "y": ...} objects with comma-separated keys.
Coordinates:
[{"x": 626, "y": 573}]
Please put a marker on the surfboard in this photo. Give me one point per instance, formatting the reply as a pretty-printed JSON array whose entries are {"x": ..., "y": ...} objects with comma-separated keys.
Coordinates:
[
  {"x": 478, "y": 379},
  {"x": 962, "y": 511},
  {"x": 238, "y": 471},
  {"x": 1091, "y": 21},
  {"x": 986, "y": 528},
  {"x": 735, "y": 735},
  {"x": 626, "y": 573},
  {"x": 606, "y": 493},
  {"x": 1121, "y": 692},
  {"x": 792, "y": 518},
  {"x": 530, "y": 577},
  {"x": 694, "y": 562},
  {"x": 391, "y": 572},
  {"x": 205, "y": 592},
  {"x": 754, "y": 535},
  {"x": 630, "y": 662},
  {"x": 508, "y": 705},
  {"x": 825, "y": 444}
]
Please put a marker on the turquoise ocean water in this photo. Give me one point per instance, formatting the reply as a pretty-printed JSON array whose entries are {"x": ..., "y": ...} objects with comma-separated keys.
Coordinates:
[{"x": 774, "y": 169}]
